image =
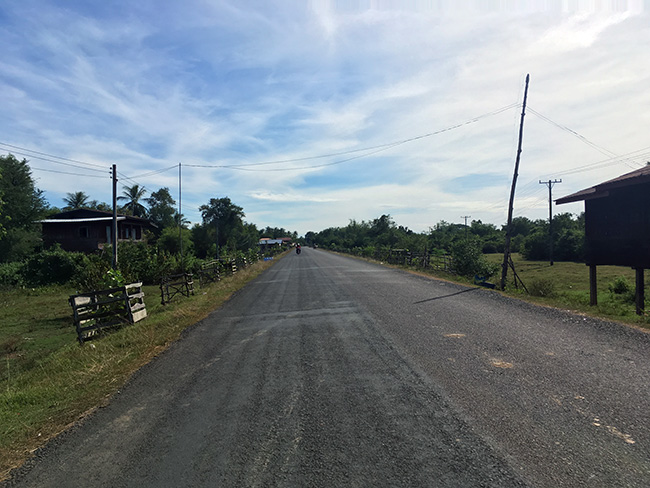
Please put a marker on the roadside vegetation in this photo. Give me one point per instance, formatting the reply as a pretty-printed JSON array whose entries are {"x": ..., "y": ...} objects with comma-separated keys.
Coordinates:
[{"x": 48, "y": 381}]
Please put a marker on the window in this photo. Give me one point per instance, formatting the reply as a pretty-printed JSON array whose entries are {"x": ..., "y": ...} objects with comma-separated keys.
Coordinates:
[{"x": 83, "y": 232}]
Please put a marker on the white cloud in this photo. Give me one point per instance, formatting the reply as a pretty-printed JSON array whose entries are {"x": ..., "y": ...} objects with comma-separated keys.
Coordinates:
[{"x": 231, "y": 83}]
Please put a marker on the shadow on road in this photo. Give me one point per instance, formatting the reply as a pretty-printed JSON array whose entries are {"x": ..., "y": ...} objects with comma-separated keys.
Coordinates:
[{"x": 446, "y": 296}]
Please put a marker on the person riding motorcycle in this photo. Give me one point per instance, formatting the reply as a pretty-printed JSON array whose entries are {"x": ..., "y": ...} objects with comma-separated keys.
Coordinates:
[{"x": 298, "y": 249}]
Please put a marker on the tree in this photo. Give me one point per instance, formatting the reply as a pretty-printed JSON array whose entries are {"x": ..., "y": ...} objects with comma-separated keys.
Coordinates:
[
  {"x": 222, "y": 214},
  {"x": 133, "y": 195},
  {"x": 161, "y": 209},
  {"x": 75, "y": 200},
  {"x": 96, "y": 205},
  {"x": 169, "y": 241},
  {"x": 24, "y": 205}
]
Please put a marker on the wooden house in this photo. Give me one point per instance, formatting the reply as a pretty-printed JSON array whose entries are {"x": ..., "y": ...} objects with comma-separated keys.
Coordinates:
[
  {"x": 617, "y": 226},
  {"x": 89, "y": 230}
]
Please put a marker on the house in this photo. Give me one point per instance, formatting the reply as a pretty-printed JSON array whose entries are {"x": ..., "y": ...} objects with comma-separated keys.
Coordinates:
[
  {"x": 617, "y": 225},
  {"x": 89, "y": 230},
  {"x": 267, "y": 242}
]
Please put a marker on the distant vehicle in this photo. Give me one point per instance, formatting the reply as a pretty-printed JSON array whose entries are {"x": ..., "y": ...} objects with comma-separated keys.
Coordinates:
[{"x": 298, "y": 249}]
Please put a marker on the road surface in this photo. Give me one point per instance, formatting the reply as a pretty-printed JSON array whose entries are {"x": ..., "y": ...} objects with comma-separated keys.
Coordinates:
[{"x": 328, "y": 371}]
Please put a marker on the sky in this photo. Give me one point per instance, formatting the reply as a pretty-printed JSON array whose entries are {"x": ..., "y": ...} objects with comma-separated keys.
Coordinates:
[{"x": 310, "y": 114}]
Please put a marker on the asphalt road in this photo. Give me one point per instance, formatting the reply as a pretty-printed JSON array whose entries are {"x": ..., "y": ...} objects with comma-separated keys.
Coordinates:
[{"x": 328, "y": 371}]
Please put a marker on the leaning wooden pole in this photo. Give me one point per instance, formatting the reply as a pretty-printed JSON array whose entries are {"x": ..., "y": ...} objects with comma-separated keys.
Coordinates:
[{"x": 506, "y": 251}]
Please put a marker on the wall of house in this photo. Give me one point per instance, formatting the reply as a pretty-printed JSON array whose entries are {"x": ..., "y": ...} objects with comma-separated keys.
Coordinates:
[
  {"x": 88, "y": 236},
  {"x": 617, "y": 228},
  {"x": 84, "y": 237}
]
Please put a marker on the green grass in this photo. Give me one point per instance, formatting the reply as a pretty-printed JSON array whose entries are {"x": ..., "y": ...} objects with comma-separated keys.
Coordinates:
[
  {"x": 48, "y": 381},
  {"x": 570, "y": 285}
]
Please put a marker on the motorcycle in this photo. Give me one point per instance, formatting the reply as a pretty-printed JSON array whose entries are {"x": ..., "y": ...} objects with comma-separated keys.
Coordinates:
[{"x": 298, "y": 250}]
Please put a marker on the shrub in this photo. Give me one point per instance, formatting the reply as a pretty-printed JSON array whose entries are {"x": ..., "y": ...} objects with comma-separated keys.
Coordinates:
[
  {"x": 90, "y": 275},
  {"x": 469, "y": 259},
  {"x": 368, "y": 251},
  {"x": 541, "y": 287},
  {"x": 622, "y": 289},
  {"x": 11, "y": 274},
  {"x": 535, "y": 246},
  {"x": 620, "y": 286},
  {"x": 53, "y": 266}
]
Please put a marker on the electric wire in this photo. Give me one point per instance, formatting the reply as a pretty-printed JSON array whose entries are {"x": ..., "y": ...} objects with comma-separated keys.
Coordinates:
[
  {"x": 151, "y": 173},
  {"x": 65, "y": 172},
  {"x": 605, "y": 162},
  {"x": 372, "y": 149},
  {"x": 103, "y": 168},
  {"x": 60, "y": 162},
  {"x": 593, "y": 145}
]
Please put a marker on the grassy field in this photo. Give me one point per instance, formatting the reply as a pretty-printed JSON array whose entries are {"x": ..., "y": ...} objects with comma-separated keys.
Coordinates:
[
  {"x": 48, "y": 381},
  {"x": 566, "y": 285}
]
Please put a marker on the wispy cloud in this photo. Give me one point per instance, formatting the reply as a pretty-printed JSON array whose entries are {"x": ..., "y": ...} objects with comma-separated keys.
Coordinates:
[{"x": 219, "y": 83}]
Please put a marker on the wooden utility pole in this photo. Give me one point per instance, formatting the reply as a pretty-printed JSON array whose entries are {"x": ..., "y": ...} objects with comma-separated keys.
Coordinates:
[
  {"x": 114, "y": 223},
  {"x": 180, "y": 217},
  {"x": 550, "y": 184},
  {"x": 466, "y": 228},
  {"x": 506, "y": 251}
]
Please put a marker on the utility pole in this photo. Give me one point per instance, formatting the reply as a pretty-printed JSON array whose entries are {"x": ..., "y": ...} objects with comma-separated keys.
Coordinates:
[
  {"x": 180, "y": 217},
  {"x": 506, "y": 251},
  {"x": 114, "y": 223},
  {"x": 550, "y": 184},
  {"x": 466, "y": 228},
  {"x": 216, "y": 219}
]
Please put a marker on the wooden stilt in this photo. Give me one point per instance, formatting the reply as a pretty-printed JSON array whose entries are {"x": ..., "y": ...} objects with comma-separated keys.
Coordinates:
[
  {"x": 640, "y": 294},
  {"x": 593, "y": 290}
]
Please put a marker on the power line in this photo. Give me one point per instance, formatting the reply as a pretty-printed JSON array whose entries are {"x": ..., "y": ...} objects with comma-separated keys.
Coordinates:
[
  {"x": 31, "y": 156},
  {"x": 51, "y": 156},
  {"x": 151, "y": 173},
  {"x": 574, "y": 133},
  {"x": 372, "y": 149},
  {"x": 605, "y": 162},
  {"x": 65, "y": 172},
  {"x": 600, "y": 149}
]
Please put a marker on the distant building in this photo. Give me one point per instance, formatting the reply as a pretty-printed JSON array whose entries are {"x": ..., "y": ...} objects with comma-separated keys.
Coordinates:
[
  {"x": 267, "y": 242},
  {"x": 89, "y": 230}
]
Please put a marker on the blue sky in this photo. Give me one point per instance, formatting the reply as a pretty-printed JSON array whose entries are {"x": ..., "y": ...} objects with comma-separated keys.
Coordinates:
[{"x": 361, "y": 108}]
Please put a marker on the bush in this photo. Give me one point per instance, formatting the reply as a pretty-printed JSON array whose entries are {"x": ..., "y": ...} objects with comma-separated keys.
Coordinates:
[
  {"x": 620, "y": 286},
  {"x": 368, "y": 251},
  {"x": 11, "y": 274},
  {"x": 470, "y": 261},
  {"x": 90, "y": 275},
  {"x": 53, "y": 266},
  {"x": 541, "y": 287},
  {"x": 535, "y": 246}
]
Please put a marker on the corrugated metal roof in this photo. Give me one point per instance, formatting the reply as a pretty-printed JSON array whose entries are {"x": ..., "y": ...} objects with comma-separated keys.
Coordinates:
[
  {"x": 602, "y": 190},
  {"x": 74, "y": 221}
]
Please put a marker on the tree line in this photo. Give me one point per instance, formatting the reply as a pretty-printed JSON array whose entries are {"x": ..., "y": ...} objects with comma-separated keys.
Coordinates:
[{"x": 529, "y": 237}]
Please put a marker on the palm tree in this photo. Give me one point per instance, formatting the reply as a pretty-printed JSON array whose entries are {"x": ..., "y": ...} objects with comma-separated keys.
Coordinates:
[
  {"x": 76, "y": 200},
  {"x": 133, "y": 195}
]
